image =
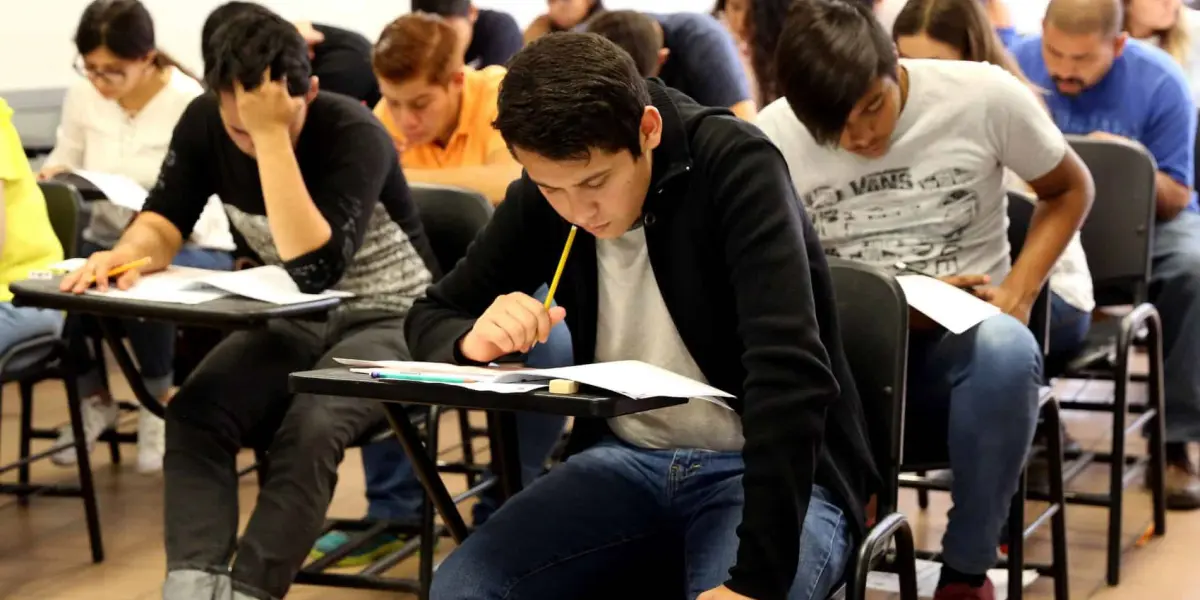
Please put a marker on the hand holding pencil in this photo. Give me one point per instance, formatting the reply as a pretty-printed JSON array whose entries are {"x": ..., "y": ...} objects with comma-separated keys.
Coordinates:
[
  {"x": 102, "y": 266},
  {"x": 516, "y": 321}
]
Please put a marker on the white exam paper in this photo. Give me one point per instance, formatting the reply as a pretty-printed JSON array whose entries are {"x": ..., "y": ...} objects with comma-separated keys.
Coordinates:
[
  {"x": 119, "y": 189},
  {"x": 950, "y": 307},
  {"x": 268, "y": 283},
  {"x": 187, "y": 285}
]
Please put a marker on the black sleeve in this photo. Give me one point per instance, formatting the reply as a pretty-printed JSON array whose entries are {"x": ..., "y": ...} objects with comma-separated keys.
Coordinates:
[
  {"x": 496, "y": 38},
  {"x": 342, "y": 64},
  {"x": 789, "y": 381},
  {"x": 186, "y": 180},
  {"x": 512, "y": 254},
  {"x": 345, "y": 190}
]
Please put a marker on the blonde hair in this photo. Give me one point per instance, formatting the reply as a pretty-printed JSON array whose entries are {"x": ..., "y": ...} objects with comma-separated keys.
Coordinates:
[{"x": 1175, "y": 41}]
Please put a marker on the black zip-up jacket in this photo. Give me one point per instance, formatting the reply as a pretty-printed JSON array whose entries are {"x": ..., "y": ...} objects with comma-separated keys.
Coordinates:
[{"x": 745, "y": 280}]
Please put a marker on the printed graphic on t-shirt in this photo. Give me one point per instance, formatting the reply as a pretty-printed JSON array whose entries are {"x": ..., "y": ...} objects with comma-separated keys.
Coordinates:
[{"x": 890, "y": 216}]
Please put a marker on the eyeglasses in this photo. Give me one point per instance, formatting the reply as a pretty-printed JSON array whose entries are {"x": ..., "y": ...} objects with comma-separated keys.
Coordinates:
[{"x": 109, "y": 76}]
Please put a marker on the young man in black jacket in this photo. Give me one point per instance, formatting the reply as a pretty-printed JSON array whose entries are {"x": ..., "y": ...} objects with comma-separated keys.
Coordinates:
[{"x": 693, "y": 255}]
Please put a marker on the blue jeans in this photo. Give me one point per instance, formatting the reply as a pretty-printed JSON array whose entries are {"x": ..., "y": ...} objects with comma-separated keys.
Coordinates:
[
  {"x": 153, "y": 343},
  {"x": 1175, "y": 291},
  {"x": 591, "y": 520},
  {"x": 20, "y": 324},
  {"x": 972, "y": 398},
  {"x": 1068, "y": 332},
  {"x": 393, "y": 492}
]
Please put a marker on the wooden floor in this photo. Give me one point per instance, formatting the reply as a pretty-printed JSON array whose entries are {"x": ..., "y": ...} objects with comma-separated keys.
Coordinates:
[{"x": 44, "y": 548}]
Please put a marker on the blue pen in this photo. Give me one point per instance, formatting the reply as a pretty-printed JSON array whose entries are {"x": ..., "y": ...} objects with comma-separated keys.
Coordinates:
[{"x": 420, "y": 377}]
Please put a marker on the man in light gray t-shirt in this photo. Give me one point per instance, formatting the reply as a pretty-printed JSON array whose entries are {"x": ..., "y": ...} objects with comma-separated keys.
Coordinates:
[{"x": 904, "y": 160}]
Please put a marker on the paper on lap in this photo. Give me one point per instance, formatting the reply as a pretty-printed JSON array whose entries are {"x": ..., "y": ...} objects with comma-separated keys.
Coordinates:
[
  {"x": 117, "y": 189},
  {"x": 948, "y": 306},
  {"x": 629, "y": 378}
]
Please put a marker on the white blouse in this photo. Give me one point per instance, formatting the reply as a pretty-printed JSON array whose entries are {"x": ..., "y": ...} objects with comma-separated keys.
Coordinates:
[{"x": 96, "y": 134}]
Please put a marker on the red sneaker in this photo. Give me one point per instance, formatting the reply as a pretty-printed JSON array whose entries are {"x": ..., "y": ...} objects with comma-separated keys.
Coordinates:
[{"x": 962, "y": 591}]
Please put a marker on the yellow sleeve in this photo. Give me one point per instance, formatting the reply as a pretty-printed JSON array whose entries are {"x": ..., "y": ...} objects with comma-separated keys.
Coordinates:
[{"x": 13, "y": 164}]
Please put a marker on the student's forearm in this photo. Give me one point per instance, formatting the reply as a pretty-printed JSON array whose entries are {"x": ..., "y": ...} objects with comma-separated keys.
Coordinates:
[
  {"x": 297, "y": 227},
  {"x": 1171, "y": 197},
  {"x": 490, "y": 180},
  {"x": 1055, "y": 222},
  {"x": 151, "y": 235}
]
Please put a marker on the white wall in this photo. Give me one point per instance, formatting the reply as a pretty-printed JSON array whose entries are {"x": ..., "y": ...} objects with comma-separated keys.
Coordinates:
[{"x": 35, "y": 35}]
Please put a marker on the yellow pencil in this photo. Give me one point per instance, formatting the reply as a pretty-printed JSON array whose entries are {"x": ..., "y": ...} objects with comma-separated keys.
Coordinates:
[
  {"x": 137, "y": 264},
  {"x": 562, "y": 262}
]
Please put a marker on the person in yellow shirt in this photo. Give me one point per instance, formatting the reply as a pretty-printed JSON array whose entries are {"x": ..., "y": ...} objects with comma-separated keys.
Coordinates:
[
  {"x": 27, "y": 243},
  {"x": 438, "y": 111}
]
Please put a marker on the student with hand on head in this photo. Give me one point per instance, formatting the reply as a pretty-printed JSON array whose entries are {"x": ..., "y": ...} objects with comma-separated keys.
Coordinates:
[
  {"x": 904, "y": 161},
  {"x": 438, "y": 111},
  {"x": 688, "y": 51},
  {"x": 1102, "y": 84},
  {"x": 562, "y": 15},
  {"x": 313, "y": 184},
  {"x": 27, "y": 244},
  {"x": 691, "y": 254},
  {"x": 960, "y": 30},
  {"x": 340, "y": 58},
  {"x": 445, "y": 112},
  {"x": 118, "y": 120},
  {"x": 486, "y": 37},
  {"x": 1172, "y": 26}
]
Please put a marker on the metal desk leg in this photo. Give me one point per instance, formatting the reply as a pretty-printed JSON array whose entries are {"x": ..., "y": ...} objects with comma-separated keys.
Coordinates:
[
  {"x": 426, "y": 470},
  {"x": 110, "y": 328},
  {"x": 506, "y": 456}
]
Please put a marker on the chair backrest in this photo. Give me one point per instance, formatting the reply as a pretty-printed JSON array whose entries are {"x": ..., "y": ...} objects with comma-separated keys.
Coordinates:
[
  {"x": 451, "y": 217},
  {"x": 1020, "y": 215},
  {"x": 66, "y": 210},
  {"x": 873, "y": 316},
  {"x": 1119, "y": 232}
]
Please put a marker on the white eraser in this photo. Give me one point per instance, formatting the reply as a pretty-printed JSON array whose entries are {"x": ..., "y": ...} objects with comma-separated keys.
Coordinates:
[{"x": 564, "y": 386}]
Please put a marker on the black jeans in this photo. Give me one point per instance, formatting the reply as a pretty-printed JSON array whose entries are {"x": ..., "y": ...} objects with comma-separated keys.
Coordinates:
[{"x": 237, "y": 397}]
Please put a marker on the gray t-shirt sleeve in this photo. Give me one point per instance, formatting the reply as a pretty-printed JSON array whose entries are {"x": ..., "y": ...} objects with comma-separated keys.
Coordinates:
[
  {"x": 709, "y": 57},
  {"x": 1026, "y": 138}
]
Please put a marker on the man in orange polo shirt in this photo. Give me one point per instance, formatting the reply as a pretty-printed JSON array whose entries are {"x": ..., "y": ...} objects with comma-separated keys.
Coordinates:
[{"x": 438, "y": 111}]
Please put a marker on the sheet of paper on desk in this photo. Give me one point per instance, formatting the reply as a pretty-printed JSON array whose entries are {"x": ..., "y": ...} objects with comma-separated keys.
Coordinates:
[
  {"x": 177, "y": 285},
  {"x": 119, "y": 190},
  {"x": 950, "y": 307},
  {"x": 422, "y": 368},
  {"x": 268, "y": 283},
  {"x": 487, "y": 385}
]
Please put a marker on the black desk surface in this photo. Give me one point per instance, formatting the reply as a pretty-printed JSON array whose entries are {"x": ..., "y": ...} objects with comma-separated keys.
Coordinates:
[
  {"x": 228, "y": 312},
  {"x": 344, "y": 383}
]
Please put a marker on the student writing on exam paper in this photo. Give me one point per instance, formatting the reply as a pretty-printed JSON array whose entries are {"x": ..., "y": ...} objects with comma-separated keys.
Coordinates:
[
  {"x": 312, "y": 182},
  {"x": 1101, "y": 84},
  {"x": 446, "y": 112},
  {"x": 903, "y": 160},
  {"x": 27, "y": 243},
  {"x": 118, "y": 120},
  {"x": 689, "y": 51},
  {"x": 691, "y": 254},
  {"x": 439, "y": 111}
]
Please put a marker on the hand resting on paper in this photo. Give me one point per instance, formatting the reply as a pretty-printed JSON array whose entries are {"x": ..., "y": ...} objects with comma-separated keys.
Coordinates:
[
  {"x": 98, "y": 265},
  {"x": 1016, "y": 304},
  {"x": 971, "y": 283},
  {"x": 513, "y": 323}
]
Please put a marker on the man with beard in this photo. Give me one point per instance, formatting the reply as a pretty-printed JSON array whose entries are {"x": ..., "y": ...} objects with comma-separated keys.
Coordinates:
[{"x": 1103, "y": 85}]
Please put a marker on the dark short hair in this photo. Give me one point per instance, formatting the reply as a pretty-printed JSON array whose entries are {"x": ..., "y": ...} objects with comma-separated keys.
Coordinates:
[
  {"x": 124, "y": 27},
  {"x": 219, "y": 16},
  {"x": 255, "y": 41},
  {"x": 634, "y": 32},
  {"x": 567, "y": 94},
  {"x": 443, "y": 8},
  {"x": 829, "y": 54}
]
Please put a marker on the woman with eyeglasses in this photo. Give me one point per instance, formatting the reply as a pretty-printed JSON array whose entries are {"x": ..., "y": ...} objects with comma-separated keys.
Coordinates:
[{"x": 118, "y": 120}]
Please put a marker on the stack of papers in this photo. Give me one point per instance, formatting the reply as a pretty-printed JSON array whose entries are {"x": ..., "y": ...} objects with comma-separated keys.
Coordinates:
[
  {"x": 186, "y": 285},
  {"x": 955, "y": 309},
  {"x": 629, "y": 378}
]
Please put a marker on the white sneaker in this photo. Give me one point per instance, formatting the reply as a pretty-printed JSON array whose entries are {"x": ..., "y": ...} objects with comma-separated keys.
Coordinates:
[
  {"x": 152, "y": 442},
  {"x": 97, "y": 417}
]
